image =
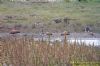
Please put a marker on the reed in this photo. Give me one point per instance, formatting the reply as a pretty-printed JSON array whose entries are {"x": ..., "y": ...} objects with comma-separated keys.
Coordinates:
[{"x": 25, "y": 51}]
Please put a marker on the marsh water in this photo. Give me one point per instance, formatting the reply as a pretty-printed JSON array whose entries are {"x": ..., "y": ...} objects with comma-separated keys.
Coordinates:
[{"x": 73, "y": 37}]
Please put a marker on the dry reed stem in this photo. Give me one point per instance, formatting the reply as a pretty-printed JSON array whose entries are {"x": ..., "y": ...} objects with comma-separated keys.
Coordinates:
[{"x": 27, "y": 52}]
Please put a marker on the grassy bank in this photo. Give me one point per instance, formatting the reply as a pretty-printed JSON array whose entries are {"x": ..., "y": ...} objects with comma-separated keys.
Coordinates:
[{"x": 83, "y": 13}]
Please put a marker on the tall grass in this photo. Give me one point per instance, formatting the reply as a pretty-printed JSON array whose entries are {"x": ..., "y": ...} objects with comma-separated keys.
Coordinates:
[{"x": 25, "y": 51}]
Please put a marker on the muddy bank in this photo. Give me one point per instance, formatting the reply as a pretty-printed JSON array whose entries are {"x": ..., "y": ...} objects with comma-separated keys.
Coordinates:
[
  {"x": 56, "y": 24},
  {"x": 39, "y": 27}
]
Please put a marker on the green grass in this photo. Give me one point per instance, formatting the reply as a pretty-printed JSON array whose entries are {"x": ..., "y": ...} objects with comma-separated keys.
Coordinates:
[
  {"x": 86, "y": 63},
  {"x": 83, "y": 12}
]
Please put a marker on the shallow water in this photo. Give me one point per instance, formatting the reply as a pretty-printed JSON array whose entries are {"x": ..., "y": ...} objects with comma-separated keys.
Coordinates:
[{"x": 74, "y": 37}]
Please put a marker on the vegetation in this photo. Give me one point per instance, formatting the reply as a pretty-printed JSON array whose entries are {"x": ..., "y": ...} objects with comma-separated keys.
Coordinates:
[
  {"x": 86, "y": 63},
  {"x": 71, "y": 16},
  {"x": 80, "y": 13},
  {"x": 27, "y": 52}
]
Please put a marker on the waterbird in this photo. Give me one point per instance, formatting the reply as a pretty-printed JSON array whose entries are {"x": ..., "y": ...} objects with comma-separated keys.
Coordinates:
[{"x": 14, "y": 31}]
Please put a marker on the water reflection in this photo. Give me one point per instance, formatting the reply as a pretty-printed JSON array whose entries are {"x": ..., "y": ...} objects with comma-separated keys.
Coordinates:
[{"x": 58, "y": 37}]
